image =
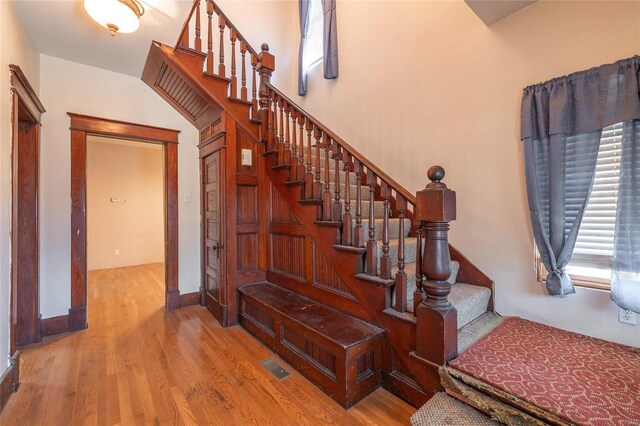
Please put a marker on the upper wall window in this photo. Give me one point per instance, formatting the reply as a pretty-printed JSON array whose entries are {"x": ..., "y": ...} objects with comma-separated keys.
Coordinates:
[{"x": 315, "y": 36}]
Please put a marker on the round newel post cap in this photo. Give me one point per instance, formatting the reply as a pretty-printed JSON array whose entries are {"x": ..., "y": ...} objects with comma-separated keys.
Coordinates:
[
  {"x": 264, "y": 47},
  {"x": 435, "y": 173}
]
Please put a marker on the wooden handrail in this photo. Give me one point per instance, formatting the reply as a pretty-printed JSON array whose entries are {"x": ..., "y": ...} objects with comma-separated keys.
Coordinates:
[
  {"x": 408, "y": 196},
  {"x": 185, "y": 26}
]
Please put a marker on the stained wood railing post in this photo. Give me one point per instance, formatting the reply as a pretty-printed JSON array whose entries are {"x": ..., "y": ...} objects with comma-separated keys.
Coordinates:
[
  {"x": 209, "y": 36},
  {"x": 326, "y": 195},
  {"x": 243, "y": 81},
  {"x": 358, "y": 231},
  {"x": 308, "y": 175},
  {"x": 347, "y": 219},
  {"x": 294, "y": 145},
  {"x": 317, "y": 184},
  {"x": 301, "y": 170},
  {"x": 197, "y": 42},
  {"x": 417, "y": 295},
  {"x": 254, "y": 87},
  {"x": 284, "y": 131},
  {"x": 265, "y": 65},
  {"x": 221, "y": 24},
  {"x": 337, "y": 205},
  {"x": 436, "y": 333},
  {"x": 385, "y": 260},
  {"x": 401, "y": 277},
  {"x": 234, "y": 78},
  {"x": 372, "y": 245}
]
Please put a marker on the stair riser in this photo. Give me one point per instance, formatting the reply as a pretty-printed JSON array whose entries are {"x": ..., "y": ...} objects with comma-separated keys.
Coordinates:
[{"x": 409, "y": 251}]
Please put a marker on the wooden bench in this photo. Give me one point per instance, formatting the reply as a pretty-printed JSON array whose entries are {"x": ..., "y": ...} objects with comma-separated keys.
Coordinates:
[{"x": 338, "y": 353}]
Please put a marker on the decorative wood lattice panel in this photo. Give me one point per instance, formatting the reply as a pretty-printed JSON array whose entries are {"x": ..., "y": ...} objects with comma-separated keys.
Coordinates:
[
  {"x": 288, "y": 255},
  {"x": 324, "y": 276},
  {"x": 323, "y": 360},
  {"x": 181, "y": 92}
]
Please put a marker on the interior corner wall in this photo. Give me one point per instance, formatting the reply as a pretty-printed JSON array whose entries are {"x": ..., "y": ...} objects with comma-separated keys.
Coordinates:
[
  {"x": 71, "y": 87},
  {"x": 15, "y": 48},
  {"x": 426, "y": 82},
  {"x": 125, "y": 203}
]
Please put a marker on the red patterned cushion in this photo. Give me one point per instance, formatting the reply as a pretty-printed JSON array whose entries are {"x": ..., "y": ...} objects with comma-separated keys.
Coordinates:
[{"x": 584, "y": 380}]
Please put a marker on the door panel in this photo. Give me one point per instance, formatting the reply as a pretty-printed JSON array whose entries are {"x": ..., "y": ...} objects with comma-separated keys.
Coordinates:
[{"x": 214, "y": 283}]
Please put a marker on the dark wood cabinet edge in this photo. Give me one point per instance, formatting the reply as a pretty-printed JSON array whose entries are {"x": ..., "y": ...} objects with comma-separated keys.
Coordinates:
[
  {"x": 122, "y": 129},
  {"x": 10, "y": 380}
]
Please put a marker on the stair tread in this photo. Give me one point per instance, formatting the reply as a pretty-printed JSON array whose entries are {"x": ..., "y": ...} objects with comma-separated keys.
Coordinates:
[
  {"x": 471, "y": 334},
  {"x": 341, "y": 328},
  {"x": 443, "y": 409}
]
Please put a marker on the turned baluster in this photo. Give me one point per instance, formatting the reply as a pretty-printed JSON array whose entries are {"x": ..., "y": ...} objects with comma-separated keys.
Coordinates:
[
  {"x": 294, "y": 145},
  {"x": 234, "y": 78},
  {"x": 197, "y": 42},
  {"x": 301, "y": 124},
  {"x": 400, "y": 289},
  {"x": 210, "y": 36},
  {"x": 337, "y": 205},
  {"x": 254, "y": 99},
  {"x": 317, "y": 184},
  {"x": 436, "y": 319},
  {"x": 372, "y": 245},
  {"x": 385, "y": 260},
  {"x": 417, "y": 295},
  {"x": 308, "y": 176},
  {"x": 276, "y": 136},
  {"x": 243, "y": 88},
  {"x": 285, "y": 155},
  {"x": 326, "y": 195},
  {"x": 285, "y": 130},
  {"x": 358, "y": 231},
  {"x": 221, "y": 24},
  {"x": 347, "y": 220},
  {"x": 265, "y": 65}
]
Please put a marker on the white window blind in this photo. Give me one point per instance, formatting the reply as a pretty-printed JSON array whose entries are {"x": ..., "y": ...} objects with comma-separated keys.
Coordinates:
[
  {"x": 315, "y": 35},
  {"x": 594, "y": 244}
]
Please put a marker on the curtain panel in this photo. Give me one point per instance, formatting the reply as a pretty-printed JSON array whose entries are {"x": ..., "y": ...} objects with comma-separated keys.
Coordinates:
[
  {"x": 303, "y": 14},
  {"x": 330, "y": 45},
  {"x": 561, "y": 124}
]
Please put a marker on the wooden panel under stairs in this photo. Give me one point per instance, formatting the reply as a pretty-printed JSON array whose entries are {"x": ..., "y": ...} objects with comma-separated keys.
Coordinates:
[{"x": 340, "y": 354}]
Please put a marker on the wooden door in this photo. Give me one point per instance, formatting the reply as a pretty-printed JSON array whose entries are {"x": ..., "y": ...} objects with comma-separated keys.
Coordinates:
[{"x": 213, "y": 271}]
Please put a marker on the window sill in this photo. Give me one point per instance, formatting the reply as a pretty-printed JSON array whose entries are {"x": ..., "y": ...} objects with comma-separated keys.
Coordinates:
[{"x": 597, "y": 278}]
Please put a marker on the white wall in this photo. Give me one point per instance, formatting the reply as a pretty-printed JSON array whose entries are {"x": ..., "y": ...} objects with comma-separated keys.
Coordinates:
[
  {"x": 15, "y": 48},
  {"x": 71, "y": 87},
  {"x": 132, "y": 172},
  {"x": 426, "y": 82}
]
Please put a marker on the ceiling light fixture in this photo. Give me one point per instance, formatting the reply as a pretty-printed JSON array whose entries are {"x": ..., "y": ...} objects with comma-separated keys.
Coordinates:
[{"x": 118, "y": 16}]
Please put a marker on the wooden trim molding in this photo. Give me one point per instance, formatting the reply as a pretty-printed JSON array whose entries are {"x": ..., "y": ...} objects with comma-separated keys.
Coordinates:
[
  {"x": 10, "y": 380},
  {"x": 81, "y": 126},
  {"x": 54, "y": 325},
  {"x": 189, "y": 299},
  {"x": 122, "y": 129},
  {"x": 21, "y": 86}
]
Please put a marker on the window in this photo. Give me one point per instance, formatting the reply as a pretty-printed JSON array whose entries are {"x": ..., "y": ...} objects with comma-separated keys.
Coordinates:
[
  {"x": 315, "y": 35},
  {"x": 592, "y": 256}
]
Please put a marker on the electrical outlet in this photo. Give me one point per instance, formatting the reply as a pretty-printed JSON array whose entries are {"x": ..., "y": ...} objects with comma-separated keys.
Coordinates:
[
  {"x": 117, "y": 252},
  {"x": 626, "y": 316}
]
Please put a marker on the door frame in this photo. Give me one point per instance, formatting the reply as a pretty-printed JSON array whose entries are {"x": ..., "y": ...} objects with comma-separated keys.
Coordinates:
[
  {"x": 25, "y": 108},
  {"x": 81, "y": 127}
]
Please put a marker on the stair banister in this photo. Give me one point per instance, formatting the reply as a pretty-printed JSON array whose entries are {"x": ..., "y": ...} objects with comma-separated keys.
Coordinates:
[
  {"x": 265, "y": 66},
  {"x": 436, "y": 332}
]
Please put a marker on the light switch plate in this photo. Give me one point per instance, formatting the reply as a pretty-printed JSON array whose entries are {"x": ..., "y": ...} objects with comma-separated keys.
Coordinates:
[{"x": 247, "y": 159}]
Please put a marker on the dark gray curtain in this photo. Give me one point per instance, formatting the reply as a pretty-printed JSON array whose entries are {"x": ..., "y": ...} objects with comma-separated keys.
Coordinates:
[
  {"x": 625, "y": 277},
  {"x": 303, "y": 12},
  {"x": 330, "y": 45},
  {"x": 561, "y": 124}
]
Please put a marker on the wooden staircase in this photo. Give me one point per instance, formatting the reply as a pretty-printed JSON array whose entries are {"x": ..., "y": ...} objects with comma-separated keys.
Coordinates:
[{"x": 333, "y": 232}]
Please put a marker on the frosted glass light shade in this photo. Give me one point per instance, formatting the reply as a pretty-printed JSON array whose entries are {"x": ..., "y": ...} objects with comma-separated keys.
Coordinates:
[{"x": 115, "y": 15}]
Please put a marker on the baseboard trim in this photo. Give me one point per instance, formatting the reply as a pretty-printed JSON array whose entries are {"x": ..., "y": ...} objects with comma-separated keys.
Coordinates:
[
  {"x": 78, "y": 318},
  {"x": 10, "y": 380},
  {"x": 189, "y": 299},
  {"x": 54, "y": 325},
  {"x": 173, "y": 300}
]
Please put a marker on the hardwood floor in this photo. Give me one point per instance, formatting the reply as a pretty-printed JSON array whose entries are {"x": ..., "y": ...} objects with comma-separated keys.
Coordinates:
[{"x": 138, "y": 364}]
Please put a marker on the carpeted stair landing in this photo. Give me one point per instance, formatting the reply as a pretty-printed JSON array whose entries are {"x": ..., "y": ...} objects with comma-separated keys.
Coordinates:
[{"x": 444, "y": 410}]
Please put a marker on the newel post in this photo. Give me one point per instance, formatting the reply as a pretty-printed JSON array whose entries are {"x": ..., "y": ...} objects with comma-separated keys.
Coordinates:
[
  {"x": 437, "y": 331},
  {"x": 265, "y": 67}
]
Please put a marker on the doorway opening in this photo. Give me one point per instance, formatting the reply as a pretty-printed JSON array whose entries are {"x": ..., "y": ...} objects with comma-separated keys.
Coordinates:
[
  {"x": 125, "y": 217},
  {"x": 83, "y": 129}
]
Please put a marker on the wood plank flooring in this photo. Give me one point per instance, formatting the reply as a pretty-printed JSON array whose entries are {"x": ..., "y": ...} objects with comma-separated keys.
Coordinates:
[{"x": 138, "y": 364}]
